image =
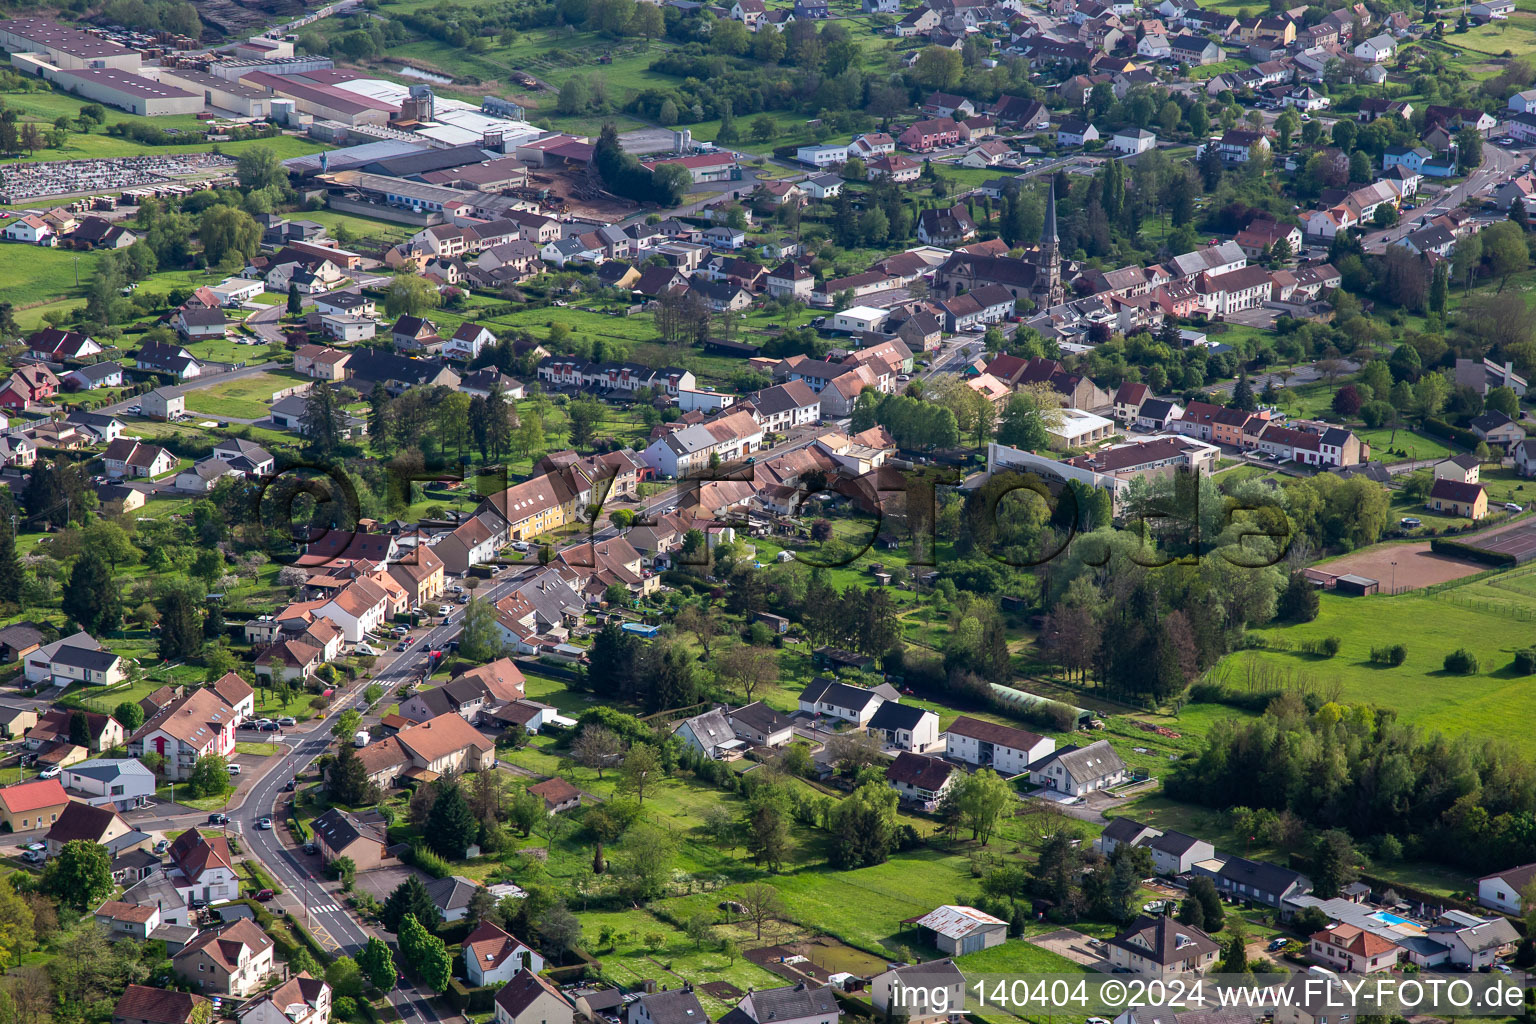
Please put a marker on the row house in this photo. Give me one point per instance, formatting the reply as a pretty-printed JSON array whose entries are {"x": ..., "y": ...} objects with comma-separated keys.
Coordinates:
[
  {"x": 1218, "y": 424},
  {"x": 935, "y": 133},
  {"x": 521, "y": 512}
]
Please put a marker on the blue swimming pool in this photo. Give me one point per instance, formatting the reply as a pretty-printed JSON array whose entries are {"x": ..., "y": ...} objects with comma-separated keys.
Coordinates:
[{"x": 1386, "y": 918}]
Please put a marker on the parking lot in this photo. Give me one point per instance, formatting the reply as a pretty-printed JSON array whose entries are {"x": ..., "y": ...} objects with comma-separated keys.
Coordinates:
[{"x": 379, "y": 881}]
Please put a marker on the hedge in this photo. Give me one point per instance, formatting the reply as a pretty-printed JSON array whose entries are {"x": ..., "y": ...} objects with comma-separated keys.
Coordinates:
[
  {"x": 1460, "y": 549},
  {"x": 260, "y": 878},
  {"x": 1460, "y": 435}
]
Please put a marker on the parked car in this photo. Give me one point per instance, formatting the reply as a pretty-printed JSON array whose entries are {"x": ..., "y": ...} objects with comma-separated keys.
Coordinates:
[
  {"x": 53, "y": 771},
  {"x": 233, "y": 769},
  {"x": 403, "y": 645},
  {"x": 1513, "y": 506},
  {"x": 310, "y": 847},
  {"x": 366, "y": 649},
  {"x": 291, "y": 785},
  {"x": 444, "y": 610},
  {"x": 271, "y": 727},
  {"x": 265, "y": 895},
  {"x": 1278, "y": 943},
  {"x": 287, "y": 720},
  {"x": 32, "y": 856}
]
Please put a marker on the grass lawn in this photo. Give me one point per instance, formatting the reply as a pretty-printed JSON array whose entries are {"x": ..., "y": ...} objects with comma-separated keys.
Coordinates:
[
  {"x": 255, "y": 748},
  {"x": 198, "y": 803},
  {"x": 247, "y": 398},
  {"x": 35, "y": 274},
  {"x": 1494, "y": 703}
]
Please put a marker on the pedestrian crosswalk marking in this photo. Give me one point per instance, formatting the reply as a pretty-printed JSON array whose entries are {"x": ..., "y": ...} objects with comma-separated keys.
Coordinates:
[{"x": 326, "y": 908}]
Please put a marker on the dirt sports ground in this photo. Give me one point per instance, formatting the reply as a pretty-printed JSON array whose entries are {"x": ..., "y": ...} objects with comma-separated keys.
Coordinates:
[{"x": 1417, "y": 566}]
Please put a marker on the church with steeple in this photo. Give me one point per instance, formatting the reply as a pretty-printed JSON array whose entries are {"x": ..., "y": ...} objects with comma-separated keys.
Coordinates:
[{"x": 1036, "y": 276}]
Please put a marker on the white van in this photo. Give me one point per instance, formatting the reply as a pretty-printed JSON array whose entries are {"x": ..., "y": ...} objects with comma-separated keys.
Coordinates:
[{"x": 361, "y": 739}]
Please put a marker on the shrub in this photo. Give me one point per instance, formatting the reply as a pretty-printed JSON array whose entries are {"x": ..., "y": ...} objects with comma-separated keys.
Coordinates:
[
  {"x": 1394, "y": 655},
  {"x": 1461, "y": 662},
  {"x": 1330, "y": 646},
  {"x": 429, "y": 861}
]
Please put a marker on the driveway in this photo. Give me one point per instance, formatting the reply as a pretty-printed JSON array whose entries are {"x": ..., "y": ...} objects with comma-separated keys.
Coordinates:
[{"x": 1073, "y": 945}]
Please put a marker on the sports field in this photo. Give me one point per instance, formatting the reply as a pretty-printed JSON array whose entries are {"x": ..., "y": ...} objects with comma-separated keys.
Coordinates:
[
  {"x": 1517, "y": 540},
  {"x": 1403, "y": 566}
]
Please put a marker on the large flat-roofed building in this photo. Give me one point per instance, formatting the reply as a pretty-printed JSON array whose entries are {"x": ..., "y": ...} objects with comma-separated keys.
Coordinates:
[
  {"x": 65, "y": 47},
  {"x": 245, "y": 100},
  {"x": 323, "y": 99},
  {"x": 127, "y": 91},
  {"x": 451, "y": 202},
  {"x": 236, "y": 68}
]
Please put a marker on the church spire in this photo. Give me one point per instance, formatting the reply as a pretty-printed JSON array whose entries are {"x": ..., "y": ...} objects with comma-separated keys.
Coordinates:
[
  {"x": 1048, "y": 290},
  {"x": 1048, "y": 231}
]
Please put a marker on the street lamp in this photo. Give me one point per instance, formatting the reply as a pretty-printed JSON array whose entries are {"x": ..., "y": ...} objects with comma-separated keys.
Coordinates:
[{"x": 1394, "y": 577}]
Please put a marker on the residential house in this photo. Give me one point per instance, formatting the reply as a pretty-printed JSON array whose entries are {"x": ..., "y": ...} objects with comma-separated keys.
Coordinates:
[
  {"x": 921, "y": 779},
  {"x": 827, "y": 696},
  {"x": 100, "y": 825},
  {"x": 299, "y": 1000},
  {"x": 127, "y": 457},
  {"x": 28, "y": 386},
  {"x": 800, "y": 1003},
  {"x": 904, "y": 727},
  {"x": 1077, "y": 770},
  {"x": 141, "y": 1004},
  {"x": 340, "y": 833},
  {"x": 445, "y": 744},
  {"x": 77, "y": 658},
  {"x": 321, "y": 362},
  {"x": 1346, "y": 947},
  {"x": 203, "y": 868},
  {"x": 1497, "y": 429},
  {"x": 492, "y": 956},
  {"x": 233, "y": 960},
  {"x": 1454, "y": 498},
  {"x": 122, "y": 783},
  {"x": 528, "y": 998},
  {"x": 29, "y": 805},
  {"x": 761, "y": 726},
  {"x": 1504, "y": 891},
  {"x": 669, "y": 1006},
  {"x": 93, "y": 376},
  {"x": 559, "y": 795},
  {"x": 56, "y": 345},
  {"x": 1006, "y": 750},
  {"x": 1255, "y": 881},
  {"x": 163, "y": 404},
  {"x": 185, "y": 730},
  {"x": 1132, "y": 141},
  {"x": 1160, "y": 946},
  {"x": 922, "y": 993}
]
